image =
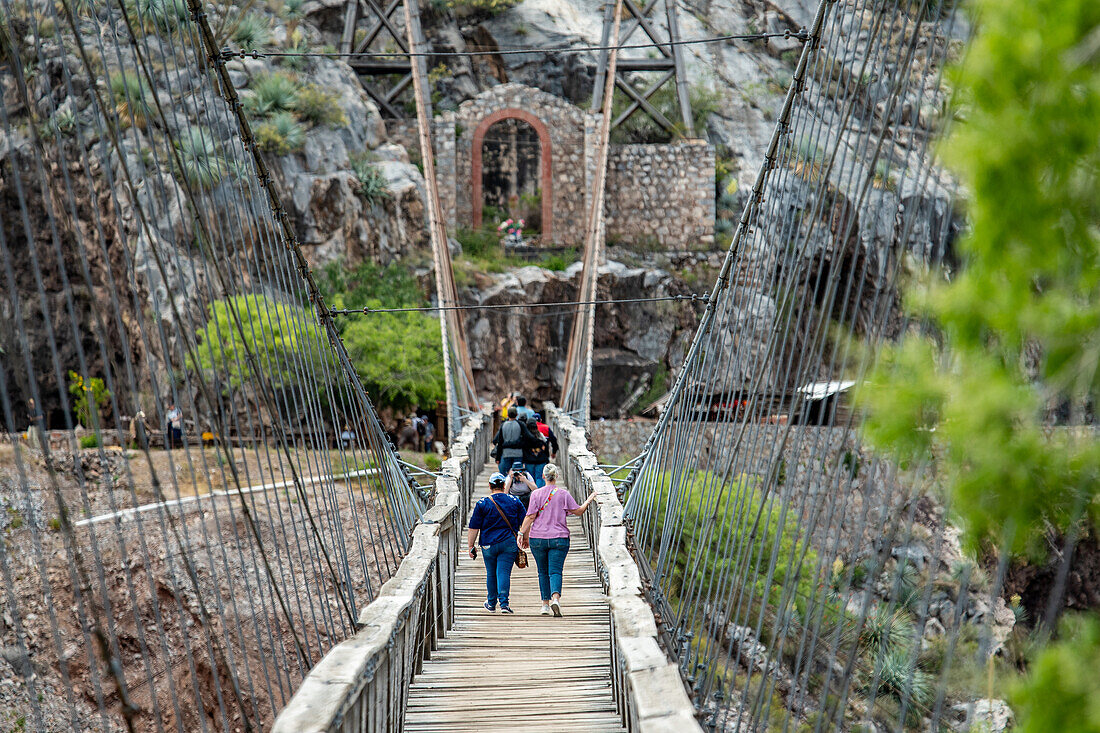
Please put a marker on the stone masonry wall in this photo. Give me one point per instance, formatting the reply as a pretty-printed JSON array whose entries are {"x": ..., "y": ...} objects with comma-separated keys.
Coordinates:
[
  {"x": 565, "y": 125},
  {"x": 661, "y": 193}
]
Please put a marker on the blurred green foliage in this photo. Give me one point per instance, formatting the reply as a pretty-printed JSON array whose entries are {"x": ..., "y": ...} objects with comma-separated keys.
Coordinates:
[{"x": 1018, "y": 325}]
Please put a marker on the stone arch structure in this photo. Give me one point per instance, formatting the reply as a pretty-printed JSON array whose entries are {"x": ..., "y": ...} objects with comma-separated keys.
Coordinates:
[
  {"x": 561, "y": 131},
  {"x": 546, "y": 161}
]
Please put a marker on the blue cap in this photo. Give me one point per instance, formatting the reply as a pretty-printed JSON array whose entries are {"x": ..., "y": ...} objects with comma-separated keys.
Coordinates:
[
  {"x": 496, "y": 478},
  {"x": 538, "y": 416}
]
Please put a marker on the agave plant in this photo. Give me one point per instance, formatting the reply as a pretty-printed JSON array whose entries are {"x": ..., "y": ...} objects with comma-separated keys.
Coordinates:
[
  {"x": 203, "y": 167},
  {"x": 163, "y": 14},
  {"x": 271, "y": 94}
]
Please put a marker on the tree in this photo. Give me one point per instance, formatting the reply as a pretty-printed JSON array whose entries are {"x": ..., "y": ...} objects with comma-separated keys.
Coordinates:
[
  {"x": 399, "y": 356},
  {"x": 89, "y": 395},
  {"x": 283, "y": 338}
]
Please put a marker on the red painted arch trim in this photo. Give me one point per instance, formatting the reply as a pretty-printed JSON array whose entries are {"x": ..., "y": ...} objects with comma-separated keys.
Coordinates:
[{"x": 545, "y": 160}]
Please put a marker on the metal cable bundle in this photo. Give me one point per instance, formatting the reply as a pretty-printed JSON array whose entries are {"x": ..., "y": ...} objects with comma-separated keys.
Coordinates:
[
  {"x": 797, "y": 574},
  {"x": 146, "y": 257}
]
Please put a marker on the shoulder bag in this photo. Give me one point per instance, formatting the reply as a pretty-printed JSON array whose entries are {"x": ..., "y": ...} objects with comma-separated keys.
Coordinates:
[{"x": 521, "y": 556}]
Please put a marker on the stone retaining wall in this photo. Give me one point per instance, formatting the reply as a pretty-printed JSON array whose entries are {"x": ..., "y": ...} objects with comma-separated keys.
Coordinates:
[{"x": 661, "y": 194}]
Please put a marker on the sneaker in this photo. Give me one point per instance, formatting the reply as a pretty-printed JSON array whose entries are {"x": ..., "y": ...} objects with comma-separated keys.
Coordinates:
[
  {"x": 545, "y": 609},
  {"x": 555, "y": 606},
  {"x": 490, "y": 607},
  {"x": 505, "y": 609}
]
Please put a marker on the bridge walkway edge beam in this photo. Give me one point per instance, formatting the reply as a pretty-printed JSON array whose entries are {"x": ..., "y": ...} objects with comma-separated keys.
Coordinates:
[{"x": 648, "y": 688}]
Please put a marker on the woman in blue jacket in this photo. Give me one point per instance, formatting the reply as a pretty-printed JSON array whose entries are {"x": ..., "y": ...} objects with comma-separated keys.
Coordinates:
[{"x": 494, "y": 523}]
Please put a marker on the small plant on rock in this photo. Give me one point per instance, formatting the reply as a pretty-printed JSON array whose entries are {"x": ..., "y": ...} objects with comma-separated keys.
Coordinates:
[
  {"x": 370, "y": 182},
  {"x": 252, "y": 32},
  {"x": 131, "y": 97},
  {"x": 163, "y": 14},
  {"x": 203, "y": 168},
  {"x": 271, "y": 94},
  {"x": 282, "y": 134},
  {"x": 314, "y": 104}
]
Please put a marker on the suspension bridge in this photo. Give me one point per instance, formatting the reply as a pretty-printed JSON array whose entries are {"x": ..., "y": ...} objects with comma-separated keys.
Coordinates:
[{"x": 738, "y": 574}]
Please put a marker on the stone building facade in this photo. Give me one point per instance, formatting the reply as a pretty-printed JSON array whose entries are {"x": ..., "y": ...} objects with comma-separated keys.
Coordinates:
[{"x": 660, "y": 194}]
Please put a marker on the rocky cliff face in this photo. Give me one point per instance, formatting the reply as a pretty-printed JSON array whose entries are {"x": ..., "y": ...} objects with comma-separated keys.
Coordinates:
[{"x": 525, "y": 348}]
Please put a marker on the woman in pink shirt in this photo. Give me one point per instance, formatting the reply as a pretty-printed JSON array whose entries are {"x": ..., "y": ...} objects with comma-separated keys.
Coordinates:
[{"x": 546, "y": 533}]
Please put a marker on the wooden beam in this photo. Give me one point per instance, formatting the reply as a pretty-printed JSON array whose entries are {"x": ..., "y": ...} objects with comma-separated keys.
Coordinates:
[
  {"x": 650, "y": 110},
  {"x": 634, "y": 106},
  {"x": 650, "y": 31}
]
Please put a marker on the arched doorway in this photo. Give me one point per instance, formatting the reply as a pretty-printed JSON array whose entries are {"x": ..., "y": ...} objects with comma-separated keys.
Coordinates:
[{"x": 511, "y": 165}]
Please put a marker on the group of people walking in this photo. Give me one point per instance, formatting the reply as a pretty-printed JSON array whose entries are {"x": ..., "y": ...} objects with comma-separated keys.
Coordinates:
[
  {"x": 502, "y": 525},
  {"x": 526, "y": 509}
]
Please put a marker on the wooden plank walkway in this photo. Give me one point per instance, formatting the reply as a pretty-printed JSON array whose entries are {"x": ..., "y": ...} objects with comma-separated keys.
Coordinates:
[{"x": 525, "y": 672}]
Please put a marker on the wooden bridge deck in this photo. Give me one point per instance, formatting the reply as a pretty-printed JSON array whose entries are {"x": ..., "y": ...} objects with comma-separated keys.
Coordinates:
[{"x": 525, "y": 672}]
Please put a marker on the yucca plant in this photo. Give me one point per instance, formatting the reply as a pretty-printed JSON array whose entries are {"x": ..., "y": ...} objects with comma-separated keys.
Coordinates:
[
  {"x": 899, "y": 676},
  {"x": 252, "y": 32},
  {"x": 131, "y": 97},
  {"x": 885, "y": 632},
  {"x": 203, "y": 167},
  {"x": 163, "y": 14},
  {"x": 281, "y": 134},
  {"x": 271, "y": 94}
]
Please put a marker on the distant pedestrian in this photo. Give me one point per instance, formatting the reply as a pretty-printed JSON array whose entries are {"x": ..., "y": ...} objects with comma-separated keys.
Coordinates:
[
  {"x": 347, "y": 438},
  {"x": 493, "y": 525},
  {"x": 510, "y": 441},
  {"x": 138, "y": 437},
  {"x": 174, "y": 417},
  {"x": 522, "y": 410},
  {"x": 429, "y": 434},
  {"x": 546, "y": 532}
]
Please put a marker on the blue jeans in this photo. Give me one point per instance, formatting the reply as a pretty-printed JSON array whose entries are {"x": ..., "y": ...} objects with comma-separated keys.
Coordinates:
[
  {"x": 505, "y": 464},
  {"x": 499, "y": 560},
  {"x": 536, "y": 473},
  {"x": 550, "y": 559}
]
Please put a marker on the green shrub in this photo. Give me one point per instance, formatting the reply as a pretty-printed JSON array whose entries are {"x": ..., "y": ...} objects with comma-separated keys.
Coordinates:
[
  {"x": 708, "y": 516},
  {"x": 433, "y": 462},
  {"x": 272, "y": 93},
  {"x": 252, "y": 32},
  {"x": 89, "y": 441},
  {"x": 559, "y": 262},
  {"x": 203, "y": 168},
  {"x": 885, "y": 632},
  {"x": 163, "y": 14},
  {"x": 315, "y": 105},
  {"x": 475, "y": 7},
  {"x": 479, "y": 242},
  {"x": 282, "y": 134},
  {"x": 131, "y": 96},
  {"x": 370, "y": 183}
]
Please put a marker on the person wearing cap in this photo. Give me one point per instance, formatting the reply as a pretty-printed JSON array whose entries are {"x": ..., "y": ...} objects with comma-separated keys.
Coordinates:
[
  {"x": 546, "y": 533},
  {"x": 494, "y": 524}
]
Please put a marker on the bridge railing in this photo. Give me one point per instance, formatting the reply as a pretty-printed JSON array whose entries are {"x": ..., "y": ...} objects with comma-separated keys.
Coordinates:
[
  {"x": 362, "y": 684},
  {"x": 649, "y": 691}
]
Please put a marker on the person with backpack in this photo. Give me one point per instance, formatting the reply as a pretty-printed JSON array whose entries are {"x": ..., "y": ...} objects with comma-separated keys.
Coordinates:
[
  {"x": 536, "y": 454},
  {"x": 546, "y": 533},
  {"x": 493, "y": 524},
  {"x": 547, "y": 432},
  {"x": 510, "y": 441}
]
